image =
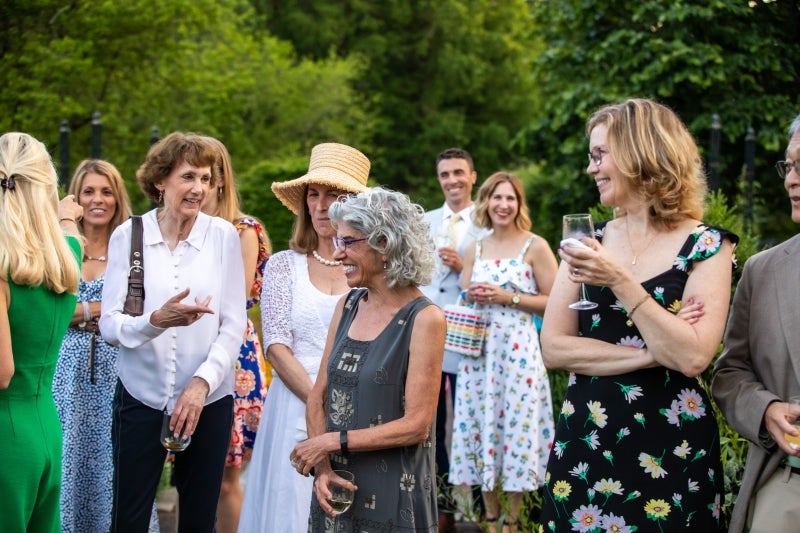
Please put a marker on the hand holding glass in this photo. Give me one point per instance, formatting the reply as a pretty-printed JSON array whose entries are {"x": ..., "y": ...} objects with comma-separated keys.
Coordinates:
[
  {"x": 168, "y": 438},
  {"x": 577, "y": 226},
  {"x": 341, "y": 497}
]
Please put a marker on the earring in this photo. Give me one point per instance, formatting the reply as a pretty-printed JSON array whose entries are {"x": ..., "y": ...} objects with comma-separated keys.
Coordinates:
[
  {"x": 160, "y": 196},
  {"x": 385, "y": 266},
  {"x": 219, "y": 193}
]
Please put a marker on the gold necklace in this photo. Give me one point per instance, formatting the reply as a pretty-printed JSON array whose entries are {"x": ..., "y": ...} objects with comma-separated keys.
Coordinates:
[{"x": 634, "y": 252}]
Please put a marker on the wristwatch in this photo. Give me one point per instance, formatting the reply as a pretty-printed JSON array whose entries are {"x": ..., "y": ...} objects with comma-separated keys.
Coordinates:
[{"x": 515, "y": 300}]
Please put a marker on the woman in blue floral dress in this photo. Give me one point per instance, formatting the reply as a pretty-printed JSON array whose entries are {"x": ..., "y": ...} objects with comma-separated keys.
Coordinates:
[
  {"x": 86, "y": 373},
  {"x": 636, "y": 444}
]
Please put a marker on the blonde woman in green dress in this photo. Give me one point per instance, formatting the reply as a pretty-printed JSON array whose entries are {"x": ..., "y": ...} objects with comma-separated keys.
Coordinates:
[{"x": 38, "y": 284}]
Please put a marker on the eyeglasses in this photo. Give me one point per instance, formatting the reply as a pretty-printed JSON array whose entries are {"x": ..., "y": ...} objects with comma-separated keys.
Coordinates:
[
  {"x": 784, "y": 167},
  {"x": 342, "y": 244},
  {"x": 596, "y": 156}
]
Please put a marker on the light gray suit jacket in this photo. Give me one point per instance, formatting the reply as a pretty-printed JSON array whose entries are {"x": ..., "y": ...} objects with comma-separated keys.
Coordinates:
[
  {"x": 760, "y": 361},
  {"x": 446, "y": 284}
]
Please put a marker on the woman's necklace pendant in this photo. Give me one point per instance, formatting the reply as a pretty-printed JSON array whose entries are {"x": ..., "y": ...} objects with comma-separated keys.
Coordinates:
[{"x": 635, "y": 259}]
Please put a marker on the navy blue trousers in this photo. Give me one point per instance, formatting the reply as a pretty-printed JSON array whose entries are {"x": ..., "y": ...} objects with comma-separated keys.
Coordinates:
[{"x": 139, "y": 461}]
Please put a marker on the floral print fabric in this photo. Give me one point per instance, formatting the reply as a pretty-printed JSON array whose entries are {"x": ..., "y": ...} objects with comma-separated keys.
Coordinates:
[
  {"x": 250, "y": 383},
  {"x": 637, "y": 451},
  {"x": 503, "y": 416}
]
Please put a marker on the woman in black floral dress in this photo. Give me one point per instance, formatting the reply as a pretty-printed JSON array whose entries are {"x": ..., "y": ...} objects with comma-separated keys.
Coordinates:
[{"x": 636, "y": 445}]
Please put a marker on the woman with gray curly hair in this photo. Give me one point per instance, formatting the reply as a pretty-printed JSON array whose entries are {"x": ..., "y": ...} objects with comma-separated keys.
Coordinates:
[{"x": 372, "y": 408}]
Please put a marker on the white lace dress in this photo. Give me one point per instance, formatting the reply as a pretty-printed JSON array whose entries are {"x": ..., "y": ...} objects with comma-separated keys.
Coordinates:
[{"x": 296, "y": 314}]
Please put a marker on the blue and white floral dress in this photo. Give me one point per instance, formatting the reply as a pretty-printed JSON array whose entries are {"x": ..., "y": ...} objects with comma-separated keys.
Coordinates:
[
  {"x": 84, "y": 394},
  {"x": 637, "y": 451}
]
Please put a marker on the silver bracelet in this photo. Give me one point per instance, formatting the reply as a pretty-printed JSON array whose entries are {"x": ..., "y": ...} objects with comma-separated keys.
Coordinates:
[{"x": 87, "y": 315}]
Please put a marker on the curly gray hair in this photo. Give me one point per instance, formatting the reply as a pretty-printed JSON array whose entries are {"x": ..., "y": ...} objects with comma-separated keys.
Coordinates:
[{"x": 393, "y": 226}]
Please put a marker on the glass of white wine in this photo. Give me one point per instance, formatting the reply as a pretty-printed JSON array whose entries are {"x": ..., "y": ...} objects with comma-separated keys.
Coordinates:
[
  {"x": 794, "y": 442},
  {"x": 577, "y": 226},
  {"x": 169, "y": 440},
  {"x": 341, "y": 496}
]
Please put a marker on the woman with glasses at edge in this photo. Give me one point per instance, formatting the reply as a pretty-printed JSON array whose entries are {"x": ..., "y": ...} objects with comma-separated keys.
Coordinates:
[{"x": 636, "y": 443}]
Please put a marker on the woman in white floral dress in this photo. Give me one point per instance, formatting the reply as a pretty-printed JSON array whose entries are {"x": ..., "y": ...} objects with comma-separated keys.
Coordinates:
[{"x": 503, "y": 417}]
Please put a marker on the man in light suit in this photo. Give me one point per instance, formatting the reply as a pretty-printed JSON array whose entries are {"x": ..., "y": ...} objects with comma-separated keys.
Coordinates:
[
  {"x": 759, "y": 370},
  {"x": 451, "y": 229}
]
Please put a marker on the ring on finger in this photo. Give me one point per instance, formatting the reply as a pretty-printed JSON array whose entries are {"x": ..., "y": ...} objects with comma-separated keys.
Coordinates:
[{"x": 576, "y": 271}]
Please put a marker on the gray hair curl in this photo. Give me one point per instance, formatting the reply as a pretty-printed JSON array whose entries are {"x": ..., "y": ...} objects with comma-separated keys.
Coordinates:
[{"x": 394, "y": 226}]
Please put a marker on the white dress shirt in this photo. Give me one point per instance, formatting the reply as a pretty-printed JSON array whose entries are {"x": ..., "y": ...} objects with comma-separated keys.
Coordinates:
[{"x": 156, "y": 364}]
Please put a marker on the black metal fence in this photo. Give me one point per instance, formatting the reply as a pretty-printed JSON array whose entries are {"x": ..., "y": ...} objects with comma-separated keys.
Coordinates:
[
  {"x": 713, "y": 157},
  {"x": 96, "y": 142}
]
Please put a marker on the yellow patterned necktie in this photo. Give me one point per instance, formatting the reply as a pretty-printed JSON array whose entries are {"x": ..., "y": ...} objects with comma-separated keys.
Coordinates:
[{"x": 451, "y": 229}]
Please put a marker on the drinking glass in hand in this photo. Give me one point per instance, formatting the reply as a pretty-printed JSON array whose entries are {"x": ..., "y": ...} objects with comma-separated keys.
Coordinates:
[
  {"x": 794, "y": 442},
  {"x": 341, "y": 497},
  {"x": 577, "y": 226},
  {"x": 169, "y": 440}
]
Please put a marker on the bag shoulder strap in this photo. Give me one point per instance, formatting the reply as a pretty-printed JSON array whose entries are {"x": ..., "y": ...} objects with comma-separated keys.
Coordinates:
[{"x": 136, "y": 270}]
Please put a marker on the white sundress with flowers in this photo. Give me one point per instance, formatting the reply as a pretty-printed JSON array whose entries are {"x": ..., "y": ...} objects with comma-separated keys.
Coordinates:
[
  {"x": 503, "y": 416},
  {"x": 638, "y": 451}
]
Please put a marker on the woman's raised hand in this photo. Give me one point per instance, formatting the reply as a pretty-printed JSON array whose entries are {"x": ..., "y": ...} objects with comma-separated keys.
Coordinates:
[{"x": 174, "y": 313}]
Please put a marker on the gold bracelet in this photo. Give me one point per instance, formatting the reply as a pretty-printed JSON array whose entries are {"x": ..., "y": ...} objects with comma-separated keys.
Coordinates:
[
  {"x": 629, "y": 322},
  {"x": 70, "y": 219}
]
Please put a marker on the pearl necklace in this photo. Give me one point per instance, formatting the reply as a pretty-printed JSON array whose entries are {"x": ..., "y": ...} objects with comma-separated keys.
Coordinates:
[
  {"x": 102, "y": 258},
  {"x": 326, "y": 262}
]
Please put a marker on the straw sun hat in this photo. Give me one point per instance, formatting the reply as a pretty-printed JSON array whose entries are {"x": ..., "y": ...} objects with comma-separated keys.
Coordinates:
[{"x": 335, "y": 165}]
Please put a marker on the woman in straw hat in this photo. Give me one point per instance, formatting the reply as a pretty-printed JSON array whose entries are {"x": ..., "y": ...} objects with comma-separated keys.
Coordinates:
[{"x": 301, "y": 288}]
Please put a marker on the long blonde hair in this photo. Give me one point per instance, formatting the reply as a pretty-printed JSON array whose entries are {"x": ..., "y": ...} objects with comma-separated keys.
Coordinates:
[
  {"x": 33, "y": 249},
  {"x": 224, "y": 183}
]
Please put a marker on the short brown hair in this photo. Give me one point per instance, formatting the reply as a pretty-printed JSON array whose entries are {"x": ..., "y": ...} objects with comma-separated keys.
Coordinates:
[{"x": 169, "y": 152}]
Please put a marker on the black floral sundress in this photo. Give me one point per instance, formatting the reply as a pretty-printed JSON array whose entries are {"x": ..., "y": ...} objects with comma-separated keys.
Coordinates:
[{"x": 639, "y": 451}]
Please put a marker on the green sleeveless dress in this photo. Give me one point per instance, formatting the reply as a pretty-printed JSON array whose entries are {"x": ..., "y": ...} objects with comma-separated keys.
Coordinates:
[
  {"x": 366, "y": 387},
  {"x": 30, "y": 433}
]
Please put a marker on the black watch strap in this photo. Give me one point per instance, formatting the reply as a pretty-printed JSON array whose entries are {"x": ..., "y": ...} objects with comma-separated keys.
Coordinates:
[{"x": 343, "y": 442}]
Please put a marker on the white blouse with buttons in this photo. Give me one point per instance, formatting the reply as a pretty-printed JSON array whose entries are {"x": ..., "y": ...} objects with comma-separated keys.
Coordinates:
[{"x": 155, "y": 364}]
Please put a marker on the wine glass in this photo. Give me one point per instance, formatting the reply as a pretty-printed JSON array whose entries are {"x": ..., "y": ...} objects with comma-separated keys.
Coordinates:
[
  {"x": 341, "y": 497},
  {"x": 169, "y": 440},
  {"x": 577, "y": 226}
]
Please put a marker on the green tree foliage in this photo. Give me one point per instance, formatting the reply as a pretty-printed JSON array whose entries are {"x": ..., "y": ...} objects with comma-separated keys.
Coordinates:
[
  {"x": 700, "y": 57},
  {"x": 192, "y": 65},
  {"x": 442, "y": 73}
]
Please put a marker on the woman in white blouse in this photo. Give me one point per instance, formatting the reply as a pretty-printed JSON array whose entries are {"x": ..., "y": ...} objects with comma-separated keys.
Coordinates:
[
  {"x": 301, "y": 288},
  {"x": 178, "y": 356}
]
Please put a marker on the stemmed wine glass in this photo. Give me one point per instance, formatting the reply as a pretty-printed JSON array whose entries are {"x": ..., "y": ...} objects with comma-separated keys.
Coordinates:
[
  {"x": 577, "y": 226},
  {"x": 341, "y": 496}
]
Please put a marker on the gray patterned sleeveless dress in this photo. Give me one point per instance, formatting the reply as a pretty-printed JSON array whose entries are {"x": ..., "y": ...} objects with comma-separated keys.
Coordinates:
[{"x": 366, "y": 387}]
